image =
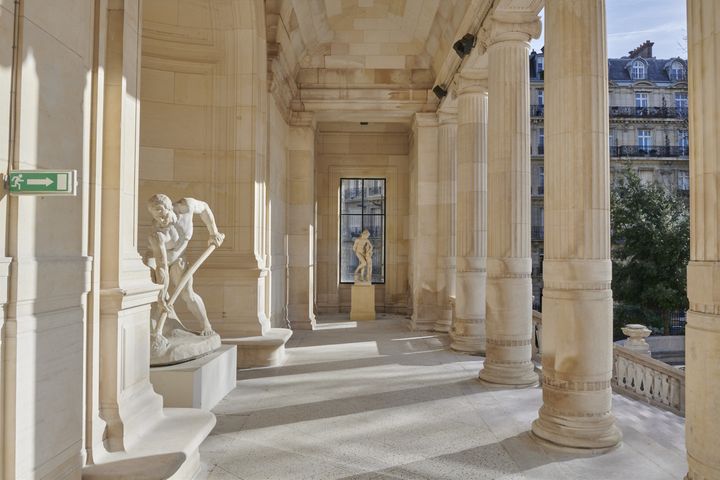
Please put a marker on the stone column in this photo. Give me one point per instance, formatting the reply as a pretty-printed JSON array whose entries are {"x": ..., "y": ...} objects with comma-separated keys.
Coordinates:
[
  {"x": 447, "y": 191},
  {"x": 468, "y": 333},
  {"x": 508, "y": 357},
  {"x": 702, "y": 357},
  {"x": 577, "y": 303},
  {"x": 301, "y": 221}
]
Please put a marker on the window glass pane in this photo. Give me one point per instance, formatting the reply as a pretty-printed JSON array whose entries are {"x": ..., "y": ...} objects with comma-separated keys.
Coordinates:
[
  {"x": 350, "y": 229},
  {"x": 374, "y": 197},
  {"x": 362, "y": 206},
  {"x": 351, "y": 196}
]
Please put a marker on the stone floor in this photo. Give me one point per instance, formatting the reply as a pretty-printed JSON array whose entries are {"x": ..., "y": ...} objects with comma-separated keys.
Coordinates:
[{"x": 374, "y": 401}]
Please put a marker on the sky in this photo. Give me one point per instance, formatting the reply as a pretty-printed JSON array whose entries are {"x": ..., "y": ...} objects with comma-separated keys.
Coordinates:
[{"x": 631, "y": 22}]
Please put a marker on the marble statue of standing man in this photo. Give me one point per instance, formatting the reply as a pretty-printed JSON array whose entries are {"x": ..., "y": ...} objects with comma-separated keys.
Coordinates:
[
  {"x": 172, "y": 231},
  {"x": 363, "y": 249}
]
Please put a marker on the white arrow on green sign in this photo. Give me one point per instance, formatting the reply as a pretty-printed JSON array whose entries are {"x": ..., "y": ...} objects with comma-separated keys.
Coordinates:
[{"x": 42, "y": 182}]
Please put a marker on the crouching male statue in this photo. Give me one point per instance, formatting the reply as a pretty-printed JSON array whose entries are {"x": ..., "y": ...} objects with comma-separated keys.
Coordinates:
[{"x": 171, "y": 342}]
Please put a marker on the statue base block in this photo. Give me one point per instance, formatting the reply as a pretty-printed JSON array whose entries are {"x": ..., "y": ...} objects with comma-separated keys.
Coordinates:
[
  {"x": 362, "y": 302},
  {"x": 183, "y": 346},
  {"x": 199, "y": 383}
]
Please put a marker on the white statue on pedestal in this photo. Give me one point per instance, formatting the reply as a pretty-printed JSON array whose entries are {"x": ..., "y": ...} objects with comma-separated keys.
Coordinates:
[
  {"x": 363, "y": 249},
  {"x": 171, "y": 342}
]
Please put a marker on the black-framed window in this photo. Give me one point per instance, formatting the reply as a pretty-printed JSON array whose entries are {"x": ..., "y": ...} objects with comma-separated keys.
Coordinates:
[{"x": 362, "y": 206}]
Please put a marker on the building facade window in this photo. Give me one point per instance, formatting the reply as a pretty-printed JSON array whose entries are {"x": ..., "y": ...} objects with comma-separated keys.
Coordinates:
[
  {"x": 681, "y": 103},
  {"x": 677, "y": 72},
  {"x": 644, "y": 139},
  {"x": 683, "y": 181},
  {"x": 638, "y": 70},
  {"x": 683, "y": 142},
  {"x": 540, "y": 65},
  {"x": 541, "y": 180},
  {"x": 362, "y": 206},
  {"x": 541, "y": 97},
  {"x": 641, "y": 100},
  {"x": 541, "y": 141}
]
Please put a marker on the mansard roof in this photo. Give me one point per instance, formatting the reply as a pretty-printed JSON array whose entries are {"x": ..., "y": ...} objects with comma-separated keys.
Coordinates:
[{"x": 657, "y": 71}]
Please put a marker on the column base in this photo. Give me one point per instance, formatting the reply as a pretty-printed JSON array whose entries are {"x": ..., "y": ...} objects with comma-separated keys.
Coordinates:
[
  {"x": 474, "y": 344},
  {"x": 263, "y": 350},
  {"x": 518, "y": 377},
  {"x": 577, "y": 434},
  {"x": 444, "y": 323},
  {"x": 468, "y": 336}
]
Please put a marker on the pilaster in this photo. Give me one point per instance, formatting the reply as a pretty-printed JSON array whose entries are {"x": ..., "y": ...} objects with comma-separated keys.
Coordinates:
[
  {"x": 301, "y": 221},
  {"x": 423, "y": 214},
  {"x": 468, "y": 331},
  {"x": 702, "y": 377},
  {"x": 509, "y": 284},
  {"x": 577, "y": 300}
]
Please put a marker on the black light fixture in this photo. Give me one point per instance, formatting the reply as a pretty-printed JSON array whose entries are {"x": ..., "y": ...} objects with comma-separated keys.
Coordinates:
[
  {"x": 363, "y": 123},
  {"x": 463, "y": 46},
  {"x": 439, "y": 91}
]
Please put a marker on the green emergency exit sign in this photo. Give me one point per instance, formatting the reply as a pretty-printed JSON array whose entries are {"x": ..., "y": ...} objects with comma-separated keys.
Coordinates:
[{"x": 42, "y": 182}]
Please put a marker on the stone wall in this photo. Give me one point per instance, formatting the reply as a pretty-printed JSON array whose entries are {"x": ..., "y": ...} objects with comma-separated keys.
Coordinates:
[{"x": 380, "y": 151}]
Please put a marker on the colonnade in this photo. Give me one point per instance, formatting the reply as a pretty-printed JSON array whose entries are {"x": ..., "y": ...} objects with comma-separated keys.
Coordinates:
[{"x": 492, "y": 227}]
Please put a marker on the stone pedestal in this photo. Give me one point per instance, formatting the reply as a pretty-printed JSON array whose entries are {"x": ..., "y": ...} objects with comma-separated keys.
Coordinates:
[
  {"x": 362, "y": 302},
  {"x": 199, "y": 383},
  {"x": 702, "y": 340},
  {"x": 577, "y": 299}
]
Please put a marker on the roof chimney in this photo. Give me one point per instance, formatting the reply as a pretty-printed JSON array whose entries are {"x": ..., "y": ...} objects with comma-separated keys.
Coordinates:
[{"x": 643, "y": 51}]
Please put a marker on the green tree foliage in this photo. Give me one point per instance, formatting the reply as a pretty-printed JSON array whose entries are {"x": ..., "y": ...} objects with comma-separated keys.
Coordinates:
[{"x": 651, "y": 249}]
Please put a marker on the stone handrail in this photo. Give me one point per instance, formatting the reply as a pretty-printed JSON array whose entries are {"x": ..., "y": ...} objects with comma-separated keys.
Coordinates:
[
  {"x": 644, "y": 378},
  {"x": 536, "y": 336}
]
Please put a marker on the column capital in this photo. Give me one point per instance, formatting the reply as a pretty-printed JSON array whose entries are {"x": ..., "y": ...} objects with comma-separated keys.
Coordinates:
[
  {"x": 447, "y": 116},
  {"x": 472, "y": 81},
  {"x": 512, "y": 27},
  {"x": 425, "y": 120},
  {"x": 303, "y": 119}
]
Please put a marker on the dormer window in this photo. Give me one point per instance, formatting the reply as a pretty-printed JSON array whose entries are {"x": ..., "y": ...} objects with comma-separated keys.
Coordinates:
[
  {"x": 638, "y": 71},
  {"x": 677, "y": 72}
]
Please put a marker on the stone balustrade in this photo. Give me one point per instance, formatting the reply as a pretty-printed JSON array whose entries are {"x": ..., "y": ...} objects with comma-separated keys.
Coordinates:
[
  {"x": 635, "y": 375},
  {"x": 643, "y": 378}
]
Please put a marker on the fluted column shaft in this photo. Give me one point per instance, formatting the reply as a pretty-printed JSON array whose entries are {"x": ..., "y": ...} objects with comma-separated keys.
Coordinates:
[
  {"x": 577, "y": 300},
  {"x": 508, "y": 358},
  {"x": 468, "y": 332},
  {"x": 447, "y": 191},
  {"x": 702, "y": 358}
]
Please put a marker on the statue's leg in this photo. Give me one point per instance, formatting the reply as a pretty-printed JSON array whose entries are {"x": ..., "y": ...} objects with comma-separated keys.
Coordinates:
[{"x": 194, "y": 303}]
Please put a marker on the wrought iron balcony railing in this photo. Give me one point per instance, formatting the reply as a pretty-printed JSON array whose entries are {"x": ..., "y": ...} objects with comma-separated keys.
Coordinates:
[
  {"x": 648, "y": 112},
  {"x": 537, "y": 110},
  {"x": 673, "y": 151}
]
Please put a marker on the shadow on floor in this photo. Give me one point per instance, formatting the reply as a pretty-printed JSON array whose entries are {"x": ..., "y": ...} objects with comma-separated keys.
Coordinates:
[{"x": 305, "y": 412}]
